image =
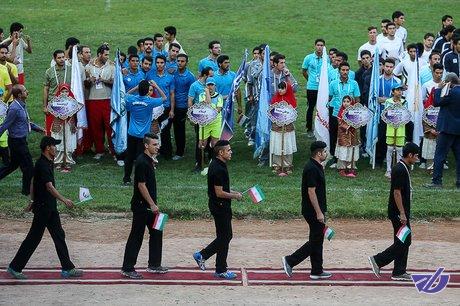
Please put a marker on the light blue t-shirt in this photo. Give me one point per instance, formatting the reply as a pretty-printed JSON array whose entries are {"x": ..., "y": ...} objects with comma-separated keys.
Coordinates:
[
  {"x": 140, "y": 108},
  {"x": 207, "y": 62},
  {"x": 131, "y": 80},
  {"x": 338, "y": 90},
  {"x": 334, "y": 74},
  {"x": 224, "y": 82},
  {"x": 195, "y": 90},
  {"x": 312, "y": 63},
  {"x": 425, "y": 74}
]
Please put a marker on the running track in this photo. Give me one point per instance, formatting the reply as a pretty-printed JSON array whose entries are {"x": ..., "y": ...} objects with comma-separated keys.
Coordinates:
[{"x": 193, "y": 276}]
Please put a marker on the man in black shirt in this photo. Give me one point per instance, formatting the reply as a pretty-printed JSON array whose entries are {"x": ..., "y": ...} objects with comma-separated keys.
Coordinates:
[
  {"x": 220, "y": 197},
  {"x": 144, "y": 208},
  {"x": 313, "y": 209},
  {"x": 399, "y": 214},
  {"x": 43, "y": 203}
]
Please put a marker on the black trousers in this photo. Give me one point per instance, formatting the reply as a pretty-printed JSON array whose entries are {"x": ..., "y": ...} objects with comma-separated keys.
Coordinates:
[
  {"x": 166, "y": 145},
  {"x": 134, "y": 148},
  {"x": 20, "y": 157},
  {"x": 381, "y": 146},
  {"x": 312, "y": 95},
  {"x": 313, "y": 248},
  {"x": 409, "y": 130},
  {"x": 333, "y": 130},
  {"x": 43, "y": 218},
  {"x": 133, "y": 246},
  {"x": 397, "y": 252},
  {"x": 220, "y": 245},
  {"x": 180, "y": 119},
  {"x": 5, "y": 156}
]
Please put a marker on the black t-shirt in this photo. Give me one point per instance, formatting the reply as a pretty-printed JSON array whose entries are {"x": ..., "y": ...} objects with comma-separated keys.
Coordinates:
[
  {"x": 313, "y": 176},
  {"x": 43, "y": 174},
  {"x": 218, "y": 176},
  {"x": 399, "y": 180},
  {"x": 144, "y": 172}
]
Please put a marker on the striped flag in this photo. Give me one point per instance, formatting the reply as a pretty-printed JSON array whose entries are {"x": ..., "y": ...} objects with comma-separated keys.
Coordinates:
[
  {"x": 322, "y": 112},
  {"x": 374, "y": 107},
  {"x": 414, "y": 97},
  {"x": 403, "y": 232},
  {"x": 256, "y": 194},
  {"x": 227, "y": 110},
  {"x": 160, "y": 221},
  {"x": 328, "y": 233},
  {"x": 118, "y": 116},
  {"x": 263, "y": 124},
  {"x": 76, "y": 86}
]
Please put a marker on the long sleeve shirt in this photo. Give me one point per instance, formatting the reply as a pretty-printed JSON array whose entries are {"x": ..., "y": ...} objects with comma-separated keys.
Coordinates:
[{"x": 17, "y": 121}]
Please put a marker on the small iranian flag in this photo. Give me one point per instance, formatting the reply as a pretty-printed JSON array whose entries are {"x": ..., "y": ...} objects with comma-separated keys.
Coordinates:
[
  {"x": 328, "y": 233},
  {"x": 403, "y": 232},
  {"x": 243, "y": 120},
  {"x": 256, "y": 194},
  {"x": 160, "y": 221},
  {"x": 84, "y": 195}
]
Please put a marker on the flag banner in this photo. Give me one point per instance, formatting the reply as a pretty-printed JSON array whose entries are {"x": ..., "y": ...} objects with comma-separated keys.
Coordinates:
[
  {"x": 227, "y": 110},
  {"x": 76, "y": 86},
  {"x": 256, "y": 194},
  {"x": 322, "y": 111},
  {"x": 118, "y": 115},
  {"x": 84, "y": 195},
  {"x": 243, "y": 120},
  {"x": 263, "y": 124},
  {"x": 328, "y": 233},
  {"x": 414, "y": 97},
  {"x": 374, "y": 107},
  {"x": 403, "y": 232},
  {"x": 160, "y": 221}
]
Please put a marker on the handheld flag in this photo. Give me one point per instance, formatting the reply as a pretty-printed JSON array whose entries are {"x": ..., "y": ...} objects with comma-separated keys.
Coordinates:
[
  {"x": 256, "y": 194},
  {"x": 328, "y": 233},
  {"x": 374, "y": 107},
  {"x": 76, "y": 86},
  {"x": 84, "y": 195},
  {"x": 160, "y": 221},
  {"x": 415, "y": 100},
  {"x": 243, "y": 120},
  {"x": 118, "y": 116},
  {"x": 403, "y": 232},
  {"x": 227, "y": 110},
  {"x": 322, "y": 112}
]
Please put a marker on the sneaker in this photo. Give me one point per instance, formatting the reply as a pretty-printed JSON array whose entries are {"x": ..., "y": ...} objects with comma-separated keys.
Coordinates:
[
  {"x": 132, "y": 275},
  {"x": 262, "y": 164},
  {"x": 388, "y": 175},
  {"x": 333, "y": 165},
  {"x": 127, "y": 183},
  {"x": 374, "y": 266},
  {"x": 71, "y": 273},
  {"x": 323, "y": 275},
  {"x": 98, "y": 156},
  {"x": 287, "y": 268},
  {"x": 120, "y": 163},
  {"x": 446, "y": 167},
  {"x": 406, "y": 277},
  {"x": 157, "y": 270},
  {"x": 430, "y": 167},
  {"x": 226, "y": 275},
  {"x": 177, "y": 157},
  {"x": 251, "y": 143},
  {"x": 422, "y": 166},
  {"x": 199, "y": 260},
  {"x": 16, "y": 275},
  {"x": 433, "y": 186}
]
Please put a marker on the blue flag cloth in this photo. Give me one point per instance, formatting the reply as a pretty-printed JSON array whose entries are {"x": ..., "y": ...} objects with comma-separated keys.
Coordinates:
[
  {"x": 374, "y": 107},
  {"x": 227, "y": 110},
  {"x": 263, "y": 122},
  {"x": 118, "y": 116}
]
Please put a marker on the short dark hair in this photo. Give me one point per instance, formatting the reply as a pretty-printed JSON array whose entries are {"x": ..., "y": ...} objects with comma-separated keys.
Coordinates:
[
  {"x": 385, "y": 20},
  {"x": 320, "y": 40},
  {"x": 344, "y": 64},
  {"x": 274, "y": 53},
  {"x": 212, "y": 43},
  {"x": 149, "y": 39},
  {"x": 371, "y": 28},
  {"x": 278, "y": 57},
  {"x": 446, "y": 30},
  {"x": 160, "y": 56},
  {"x": 71, "y": 41},
  {"x": 171, "y": 45},
  {"x": 4, "y": 47},
  {"x": 256, "y": 48},
  {"x": 131, "y": 56},
  {"x": 16, "y": 26},
  {"x": 390, "y": 24},
  {"x": 364, "y": 52},
  {"x": 219, "y": 146},
  {"x": 410, "y": 148},
  {"x": 335, "y": 50},
  {"x": 170, "y": 30},
  {"x": 102, "y": 48},
  {"x": 148, "y": 136},
  {"x": 455, "y": 39},
  {"x": 445, "y": 17},
  {"x": 143, "y": 88},
  {"x": 438, "y": 66},
  {"x": 317, "y": 146},
  {"x": 81, "y": 47},
  {"x": 147, "y": 58},
  {"x": 1, "y": 30},
  {"x": 434, "y": 52},
  {"x": 342, "y": 55},
  {"x": 390, "y": 61},
  {"x": 132, "y": 50},
  {"x": 16, "y": 90},
  {"x": 184, "y": 56},
  {"x": 411, "y": 46},
  {"x": 157, "y": 35},
  {"x": 222, "y": 58},
  {"x": 396, "y": 14},
  {"x": 206, "y": 71},
  {"x": 56, "y": 52},
  {"x": 140, "y": 41},
  {"x": 428, "y": 35}
]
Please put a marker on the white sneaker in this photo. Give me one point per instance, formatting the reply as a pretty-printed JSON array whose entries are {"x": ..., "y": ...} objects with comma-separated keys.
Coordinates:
[
  {"x": 250, "y": 143},
  {"x": 98, "y": 156},
  {"x": 121, "y": 163},
  {"x": 446, "y": 167},
  {"x": 177, "y": 157},
  {"x": 422, "y": 166},
  {"x": 388, "y": 175},
  {"x": 430, "y": 167},
  {"x": 333, "y": 166}
]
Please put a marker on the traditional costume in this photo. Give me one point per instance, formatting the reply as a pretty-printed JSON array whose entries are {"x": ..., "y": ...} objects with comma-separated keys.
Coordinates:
[{"x": 429, "y": 136}]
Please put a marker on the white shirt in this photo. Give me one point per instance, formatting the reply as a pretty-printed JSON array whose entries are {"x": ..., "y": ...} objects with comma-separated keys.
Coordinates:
[
  {"x": 406, "y": 67},
  {"x": 367, "y": 46},
  {"x": 427, "y": 87},
  {"x": 391, "y": 48},
  {"x": 19, "y": 59},
  {"x": 401, "y": 32},
  {"x": 426, "y": 55},
  {"x": 380, "y": 37}
]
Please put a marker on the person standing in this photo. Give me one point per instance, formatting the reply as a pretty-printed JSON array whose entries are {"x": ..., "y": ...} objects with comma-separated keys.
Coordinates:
[
  {"x": 220, "y": 196},
  {"x": 170, "y": 37},
  {"x": 399, "y": 205},
  {"x": 314, "y": 208},
  {"x": 391, "y": 46},
  {"x": 211, "y": 60},
  {"x": 144, "y": 207},
  {"x": 399, "y": 19},
  {"x": 18, "y": 124},
  {"x": 370, "y": 45},
  {"x": 43, "y": 195}
]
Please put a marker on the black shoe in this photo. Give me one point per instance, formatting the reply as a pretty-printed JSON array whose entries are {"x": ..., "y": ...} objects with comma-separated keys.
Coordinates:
[{"x": 131, "y": 275}]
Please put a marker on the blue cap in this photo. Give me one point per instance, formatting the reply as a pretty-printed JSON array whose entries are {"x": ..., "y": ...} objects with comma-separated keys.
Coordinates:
[
  {"x": 210, "y": 80},
  {"x": 397, "y": 86}
]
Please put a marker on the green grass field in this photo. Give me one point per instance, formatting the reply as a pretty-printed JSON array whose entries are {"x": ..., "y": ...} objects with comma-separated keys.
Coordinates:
[{"x": 289, "y": 27}]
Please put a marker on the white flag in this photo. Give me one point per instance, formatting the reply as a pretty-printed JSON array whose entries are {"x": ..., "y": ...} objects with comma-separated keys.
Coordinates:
[
  {"x": 322, "y": 112},
  {"x": 84, "y": 195},
  {"x": 77, "y": 89},
  {"x": 414, "y": 98}
]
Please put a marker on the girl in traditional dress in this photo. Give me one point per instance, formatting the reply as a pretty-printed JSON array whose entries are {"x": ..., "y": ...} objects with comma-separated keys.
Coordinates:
[
  {"x": 283, "y": 147},
  {"x": 429, "y": 137},
  {"x": 347, "y": 149}
]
